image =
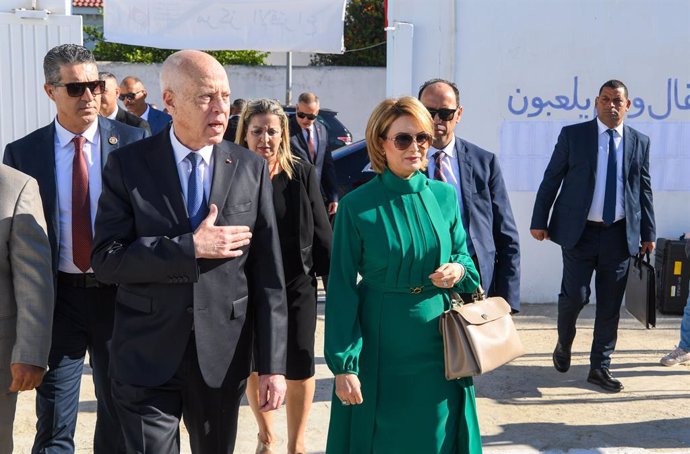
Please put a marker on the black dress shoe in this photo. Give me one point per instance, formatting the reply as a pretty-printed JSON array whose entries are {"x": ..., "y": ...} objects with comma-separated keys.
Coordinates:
[
  {"x": 602, "y": 377},
  {"x": 561, "y": 358}
]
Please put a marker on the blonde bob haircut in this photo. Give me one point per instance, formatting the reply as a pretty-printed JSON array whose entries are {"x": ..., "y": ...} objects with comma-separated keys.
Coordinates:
[
  {"x": 381, "y": 119},
  {"x": 264, "y": 106}
]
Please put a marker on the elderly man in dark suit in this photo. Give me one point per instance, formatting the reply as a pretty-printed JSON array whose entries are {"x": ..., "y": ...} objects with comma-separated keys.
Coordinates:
[
  {"x": 309, "y": 141},
  {"x": 26, "y": 306},
  {"x": 186, "y": 227},
  {"x": 603, "y": 210},
  {"x": 492, "y": 237},
  {"x": 66, "y": 158},
  {"x": 109, "y": 108}
]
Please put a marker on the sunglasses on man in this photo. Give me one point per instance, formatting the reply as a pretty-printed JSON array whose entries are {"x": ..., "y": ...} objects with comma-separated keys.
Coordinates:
[
  {"x": 77, "y": 89},
  {"x": 443, "y": 114},
  {"x": 306, "y": 115},
  {"x": 130, "y": 96},
  {"x": 403, "y": 140}
]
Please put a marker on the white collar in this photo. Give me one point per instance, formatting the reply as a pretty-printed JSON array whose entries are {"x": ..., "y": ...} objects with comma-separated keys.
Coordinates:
[
  {"x": 603, "y": 128},
  {"x": 449, "y": 149},
  {"x": 64, "y": 136},
  {"x": 181, "y": 151},
  {"x": 114, "y": 114}
]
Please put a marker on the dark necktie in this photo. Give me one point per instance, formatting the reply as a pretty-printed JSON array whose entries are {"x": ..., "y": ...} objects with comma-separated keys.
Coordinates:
[
  {"x": 312, "y": 146},
  {"x": 81, "y": 208},
  {"x": 609, "y": 214},
  {"x": 196, "y": 204},
  {"x": 438, "y": 166}
]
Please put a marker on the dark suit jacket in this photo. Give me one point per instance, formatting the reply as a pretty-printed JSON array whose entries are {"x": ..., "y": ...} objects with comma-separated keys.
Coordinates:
[
  {"x": 232, "y": 128},
  {"x": 311, "y": 254},
  {"x": 144, "y": 243},
  {"x": 325, "y": 168},
  {"x": 573, "y": 168},
  {"x": 490, "y": 222},
  {"x": 34, "y": 155},
  {"x": 158, "y": 120},
  {"x": 123, "y": 116}
]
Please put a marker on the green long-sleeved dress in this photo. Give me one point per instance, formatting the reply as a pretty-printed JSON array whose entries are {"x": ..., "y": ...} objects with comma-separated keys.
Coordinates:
[{"x": 395, "y": 232}]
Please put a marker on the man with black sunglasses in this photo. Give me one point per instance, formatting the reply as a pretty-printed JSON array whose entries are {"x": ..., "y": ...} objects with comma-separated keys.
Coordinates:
[
  {"x": 133, "y": 95},
  {"x": 492, "y": 237},
  {"x": 109, "y": 107},
  {"x": 309, "y": 141},
  {"x": 66, "y": 158}
]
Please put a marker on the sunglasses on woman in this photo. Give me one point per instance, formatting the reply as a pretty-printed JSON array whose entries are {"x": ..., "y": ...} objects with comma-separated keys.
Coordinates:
[
  {"x": 77, "y": 89},
  {"x": 443, "y": 114},
  {"x": 403, "y": 140},
  {"x": 306, "y": 115}
]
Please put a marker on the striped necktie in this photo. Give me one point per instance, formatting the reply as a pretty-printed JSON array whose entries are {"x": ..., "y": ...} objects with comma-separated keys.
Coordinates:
[{"x": 438, "y": 166}]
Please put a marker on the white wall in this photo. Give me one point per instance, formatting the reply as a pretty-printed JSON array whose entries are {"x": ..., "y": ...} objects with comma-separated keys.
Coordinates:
[
  {"x": 351, "y": 91},
  {"x": 532, "y": 50}
]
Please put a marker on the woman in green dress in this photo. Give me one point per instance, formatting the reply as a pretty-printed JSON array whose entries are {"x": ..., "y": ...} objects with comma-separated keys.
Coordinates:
[{"x": 402, "y": 233}]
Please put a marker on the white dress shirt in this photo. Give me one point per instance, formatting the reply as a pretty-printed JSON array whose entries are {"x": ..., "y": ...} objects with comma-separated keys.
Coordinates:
[
  {"x": 145, "y": 115},
  {"x": 451, "y": 169},
  {"x": 184, "y": 167},
  {"x": 64, "y": 156},
  {"x": 596, "y": 210}
]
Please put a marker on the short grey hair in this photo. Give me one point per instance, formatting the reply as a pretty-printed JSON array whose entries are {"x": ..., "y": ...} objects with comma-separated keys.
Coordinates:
[
  {"x": 64, "y": 54},
  {"x": 103, "y": 75}
]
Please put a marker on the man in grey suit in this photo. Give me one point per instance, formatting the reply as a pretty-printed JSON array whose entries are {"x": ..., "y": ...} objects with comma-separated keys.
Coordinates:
[
  {"x": 26, "y": 286},
  {"x": 186, "y": 227},
  {"x": 492, "y": 237},
  {"x": 601, "y": 213},
  {"x": 66, "y": 158}
]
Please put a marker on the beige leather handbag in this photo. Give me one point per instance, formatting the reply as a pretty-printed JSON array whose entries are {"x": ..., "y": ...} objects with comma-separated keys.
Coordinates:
[{"x": 478, "y": 337}]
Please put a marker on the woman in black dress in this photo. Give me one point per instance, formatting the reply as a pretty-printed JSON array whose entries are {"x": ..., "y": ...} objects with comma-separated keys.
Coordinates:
[{"x": 305, "y": 240}]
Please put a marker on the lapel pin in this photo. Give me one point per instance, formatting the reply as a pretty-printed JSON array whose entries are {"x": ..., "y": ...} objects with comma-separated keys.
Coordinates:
[
  {"x": 227, "y": 161},
  {"x": 112, "y": 140}
]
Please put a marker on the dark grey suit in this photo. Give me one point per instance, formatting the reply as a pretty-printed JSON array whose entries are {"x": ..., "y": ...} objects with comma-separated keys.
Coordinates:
[
  {"x": 26, "y": 305},
  {"x": 586, "y": 247},
  {"x": 325, "y": 167},
  {"x": 175, "y": 313},
  {"x": 132, "y": 120}
]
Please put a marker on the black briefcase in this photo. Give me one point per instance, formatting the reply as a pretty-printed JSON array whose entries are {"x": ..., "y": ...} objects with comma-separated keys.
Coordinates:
[
  {"x": 640, "y": 292},
  {"x": 672, "y": 275}
]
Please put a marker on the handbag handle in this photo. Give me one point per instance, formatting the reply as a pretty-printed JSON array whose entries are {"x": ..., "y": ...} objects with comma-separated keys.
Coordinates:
[{"x": 477, "y": 295}]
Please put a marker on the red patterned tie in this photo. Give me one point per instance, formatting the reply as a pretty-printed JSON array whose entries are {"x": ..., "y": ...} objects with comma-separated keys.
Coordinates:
[
  {"x": 81, "y": 208},
  {"x": 312, "y": 147},
  {"x": 438, "y": 166}
]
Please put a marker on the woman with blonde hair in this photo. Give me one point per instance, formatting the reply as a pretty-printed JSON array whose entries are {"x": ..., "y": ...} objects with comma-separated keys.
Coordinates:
[
  {"x": 402, "y": 233},
  {"x": 305, "y": 241}
]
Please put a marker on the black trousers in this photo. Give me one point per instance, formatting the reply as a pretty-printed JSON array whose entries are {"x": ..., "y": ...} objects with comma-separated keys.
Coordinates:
[
  {"x": 150, "y": 416},
  {"x": 604, "y": 250}
]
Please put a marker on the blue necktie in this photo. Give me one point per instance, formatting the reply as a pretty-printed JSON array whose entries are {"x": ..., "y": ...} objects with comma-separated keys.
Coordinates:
[
  {"x": 196, "y": 203},
  {"x": 611, "y": 177}
]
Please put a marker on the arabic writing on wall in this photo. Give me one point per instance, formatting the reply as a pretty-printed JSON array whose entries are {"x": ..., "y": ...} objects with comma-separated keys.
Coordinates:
[{"x": 677, "y": 98}]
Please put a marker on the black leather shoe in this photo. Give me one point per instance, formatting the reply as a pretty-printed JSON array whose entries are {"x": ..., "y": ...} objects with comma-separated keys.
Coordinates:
[
  {"x": 603, "y": 378},
  {"x": 561, "y": 358}
]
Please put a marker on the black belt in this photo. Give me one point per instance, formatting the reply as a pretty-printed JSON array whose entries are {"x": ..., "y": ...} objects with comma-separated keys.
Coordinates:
[
  {"x": 81, "y": 280},
  {"x": 603, "y": 224}
]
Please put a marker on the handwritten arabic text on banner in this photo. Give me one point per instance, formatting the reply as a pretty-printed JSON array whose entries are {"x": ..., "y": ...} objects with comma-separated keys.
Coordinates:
[{"x": 267, "y": 25}]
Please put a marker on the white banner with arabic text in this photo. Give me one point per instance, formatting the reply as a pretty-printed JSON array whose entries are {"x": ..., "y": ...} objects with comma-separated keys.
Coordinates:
[{"x": 265, "y": 25}]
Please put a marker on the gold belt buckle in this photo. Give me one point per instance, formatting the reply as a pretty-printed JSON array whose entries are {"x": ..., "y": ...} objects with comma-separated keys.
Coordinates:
[{"x": 416, "y": 290}]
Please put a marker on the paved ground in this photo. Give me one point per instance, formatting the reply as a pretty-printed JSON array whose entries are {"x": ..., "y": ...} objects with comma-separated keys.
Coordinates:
[{"x": 525, "y": 407}]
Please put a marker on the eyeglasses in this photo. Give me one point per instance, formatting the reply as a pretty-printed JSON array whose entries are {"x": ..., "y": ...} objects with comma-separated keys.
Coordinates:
[
  {"x": 258, "y": 132},
  {"x": 403, "y": 140},
  {"x": 306, "y": 115},
  {"x": 443, "y": 114},
  {"x": 77, "y": 89},
  {"x": 130, "y": 96}
]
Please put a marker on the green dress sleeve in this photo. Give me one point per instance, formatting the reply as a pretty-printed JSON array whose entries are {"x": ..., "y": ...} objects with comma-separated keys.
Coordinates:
[
  {"x": 470, "y": 281},
  {"x": 343, "y": 336}
]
